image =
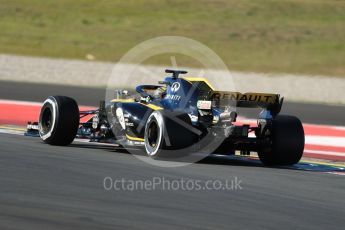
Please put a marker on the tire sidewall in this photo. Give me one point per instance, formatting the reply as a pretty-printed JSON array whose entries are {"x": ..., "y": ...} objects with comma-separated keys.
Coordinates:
[
  {"x": 175, "y": 140},
  {"x": 157, "y": 117},
  {"x": 64, "y": 120},
  {"x": 287, "y": 139},
  {"x": 50, "y": 103}
]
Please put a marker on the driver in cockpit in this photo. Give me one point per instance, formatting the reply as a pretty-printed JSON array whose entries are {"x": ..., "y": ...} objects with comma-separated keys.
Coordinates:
[{"x": 160, "y": 92}]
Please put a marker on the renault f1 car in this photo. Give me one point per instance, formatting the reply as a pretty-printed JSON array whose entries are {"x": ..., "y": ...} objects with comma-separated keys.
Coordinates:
[{"x": 180, "y": 115}]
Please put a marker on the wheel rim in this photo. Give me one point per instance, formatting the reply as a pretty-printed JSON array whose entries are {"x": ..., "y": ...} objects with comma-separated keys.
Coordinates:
[
  {"x": 153, "y": 134},
  {"x": 46, "y": 120}
]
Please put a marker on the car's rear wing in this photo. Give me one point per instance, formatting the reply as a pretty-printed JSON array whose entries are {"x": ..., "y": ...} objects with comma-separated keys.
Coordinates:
[{"x": 272, "y": 102}]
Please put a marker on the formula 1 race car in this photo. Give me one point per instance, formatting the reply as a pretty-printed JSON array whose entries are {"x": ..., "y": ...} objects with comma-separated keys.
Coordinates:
[{"x": 181, "y": 115}]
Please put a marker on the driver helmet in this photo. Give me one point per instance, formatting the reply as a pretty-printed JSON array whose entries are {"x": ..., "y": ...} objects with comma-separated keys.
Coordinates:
[{"x": 160, "y": 92}]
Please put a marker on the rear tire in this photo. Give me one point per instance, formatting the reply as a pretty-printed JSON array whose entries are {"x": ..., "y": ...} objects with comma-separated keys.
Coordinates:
[
  {"x": 59, "y": 120},
  {"x": 168, "y": 134},
  {"x": 287, "y": 137}
]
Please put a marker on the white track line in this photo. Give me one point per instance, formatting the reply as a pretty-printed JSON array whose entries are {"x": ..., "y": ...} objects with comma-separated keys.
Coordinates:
[
  {"x": 14, "y": 102},
  {"x": 325, "y": 141},
  {"x": 329, "y": 153}
]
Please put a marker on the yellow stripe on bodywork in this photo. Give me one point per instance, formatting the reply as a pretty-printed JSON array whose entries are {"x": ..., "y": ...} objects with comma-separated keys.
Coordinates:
[
  {"x": 152, "y": 106},
  {"x": 198, "y": 79},
  {"x": 123, "y": 100},
  {"x": 134, "y": 138}
]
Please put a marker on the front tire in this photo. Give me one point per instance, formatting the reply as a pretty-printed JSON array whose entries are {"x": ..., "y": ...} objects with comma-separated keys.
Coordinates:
[
  {"x": 168, "y": 134},
  {"x": 59, "y": 120},
  {"x": 287, "y": 142}
]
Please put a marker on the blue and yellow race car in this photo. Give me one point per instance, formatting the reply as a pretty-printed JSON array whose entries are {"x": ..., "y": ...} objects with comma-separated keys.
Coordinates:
[{"x": 179, "y": 116}]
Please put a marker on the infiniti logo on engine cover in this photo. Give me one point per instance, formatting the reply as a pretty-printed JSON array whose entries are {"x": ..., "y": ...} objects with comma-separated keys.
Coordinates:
[{"x": 175, "y": 87}]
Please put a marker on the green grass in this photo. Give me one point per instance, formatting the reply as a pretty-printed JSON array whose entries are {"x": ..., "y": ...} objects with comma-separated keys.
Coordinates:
[{"x": 294, "y": 36}]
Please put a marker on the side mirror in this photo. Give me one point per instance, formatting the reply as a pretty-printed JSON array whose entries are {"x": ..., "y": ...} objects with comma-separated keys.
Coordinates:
[
  {"x": 164, "y": 83},
  {"x": 125, "y": 92},
  {"x": 121, "y": 94}
]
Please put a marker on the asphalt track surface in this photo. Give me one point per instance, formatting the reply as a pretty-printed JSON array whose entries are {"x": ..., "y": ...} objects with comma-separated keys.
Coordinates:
[
  {"x": 49, "y": 187},
  {"x": 308, "y": 113}
]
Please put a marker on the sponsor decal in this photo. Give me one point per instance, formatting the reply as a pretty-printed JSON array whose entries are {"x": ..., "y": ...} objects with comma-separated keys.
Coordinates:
[
  {"x": 204, "y": 105},
  {"x": 120, "y": 117},
  {"x": 173, "y": 97},
  {"x": 95, "y": 121},
  {"x": 249, "y": 97},
  {"x": 129, "y": 124},
  {"x": 175, "y": 87},
  {"x": 34, "y": 127}
]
